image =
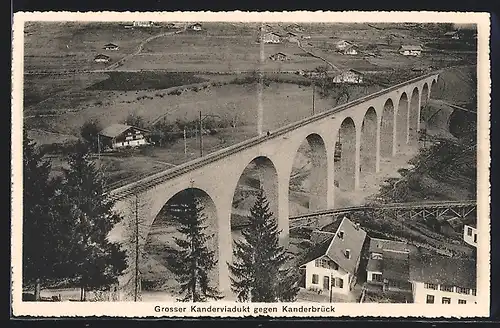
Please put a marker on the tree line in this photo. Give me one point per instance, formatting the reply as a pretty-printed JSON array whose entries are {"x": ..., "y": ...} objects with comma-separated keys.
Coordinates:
[{"x": 67, "y": 220}]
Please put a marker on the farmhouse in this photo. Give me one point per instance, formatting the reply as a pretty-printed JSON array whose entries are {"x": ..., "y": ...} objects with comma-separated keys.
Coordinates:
[
  {"x": 389, "y": 264},
  {"x": 271, "y": 37},
  {"x": 143, "y": 24},
  {"x": 350, "y": 50},
  {"x": 196, "y": 27},
  {"x": 342, "y": 44},
  {"x": 100, "y": 58},
  {"x": 279, "y": 56},
  {"x": 121, "y": 135},
  {"x": 349, "y": 76},
  {"x": 408, "y": 50},
  {"x": 333, "y": 261},
  {"x": 111, "y": 46},
  {"x": 440, "y": 279}
]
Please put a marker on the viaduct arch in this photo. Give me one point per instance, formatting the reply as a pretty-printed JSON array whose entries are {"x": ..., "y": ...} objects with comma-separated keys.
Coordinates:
[{"x": 368, "y": 128}]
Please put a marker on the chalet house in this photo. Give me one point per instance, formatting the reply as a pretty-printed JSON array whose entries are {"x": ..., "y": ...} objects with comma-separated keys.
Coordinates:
[
  {"x": 410, "y": 50},
  {"x": 143, "y": 24},
  {"x": 342, "y": 44},
  {"x": 440, "y": 279},
  {"x": 111, "y": 46},
  {"x": 100, "y": 58},
  {"x": 279, "y": 56},
  {"x": 333, "y": 261},
  {"x": 271, "y": 37},
  {"x": 350, "y": 50},
  {"x": 389, "y": 264},
  {"x": 349, "y": 76},
  {"x": 470, "y": 234},
  {"x": 121, "y": 135},
  {"x": 196, "y": 27}
]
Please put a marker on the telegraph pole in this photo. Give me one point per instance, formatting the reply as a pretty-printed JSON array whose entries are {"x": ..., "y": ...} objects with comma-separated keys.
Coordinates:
[
  {"x": 201, "y": 137},
  {"x": 314, "y": 92},
  {"x": 185, "y": 143},
  {"x": 136, "y": 247}
]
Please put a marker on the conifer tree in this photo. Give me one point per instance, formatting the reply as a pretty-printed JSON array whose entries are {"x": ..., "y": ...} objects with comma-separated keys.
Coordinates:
[
  {"x": 39, "y": 252},
  {"x": 258, "y": 273},
  {"x": 93, "y": 261},
  {"x": 194, "y": 260}
]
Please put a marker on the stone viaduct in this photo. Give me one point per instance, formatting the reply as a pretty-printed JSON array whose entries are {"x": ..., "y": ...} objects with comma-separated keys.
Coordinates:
[{"x": 368, "y": 128}]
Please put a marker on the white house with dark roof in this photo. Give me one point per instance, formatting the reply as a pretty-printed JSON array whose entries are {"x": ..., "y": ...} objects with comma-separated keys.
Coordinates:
[
  {"x": 348, "y": 76},
  {"x": 121, "y": 135},
  {"x": 470, "y": 234},
  {"x": 110, "y": 46},
  {"x": 389, "y": 264},
  {"x": 440, "y": 279},
  {"x": 271, "y": 37},
  {"x": 333, "y": 261},
  {"x": 410, "y": 50},
  {"x": 100, "y": 58}
]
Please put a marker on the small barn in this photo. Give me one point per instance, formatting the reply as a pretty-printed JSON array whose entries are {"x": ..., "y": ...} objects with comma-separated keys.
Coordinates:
[
  {"x": 279, "y": 56},
  {"x": 342, "y": 44},
  {"x": 110, "y": 46},
  {"x": 349, "y": 76},
  {"x": 100, "y": 58},
  {"x": 410, "y": 50},
  {"x": 271, "y": 37},
  {"x": 121, "y": 135},
  {"x": 350, "y": 50}
]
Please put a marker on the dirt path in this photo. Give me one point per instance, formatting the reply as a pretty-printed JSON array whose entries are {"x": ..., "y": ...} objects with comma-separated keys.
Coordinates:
[{"x": 140, "y": 47}]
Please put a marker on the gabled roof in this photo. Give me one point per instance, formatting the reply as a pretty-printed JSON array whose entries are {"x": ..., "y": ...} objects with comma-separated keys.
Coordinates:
[
  {"x": 438, "y": 269},
  {"x": 110, "y": 45},
  {"x": 396, "y": 266},
  {"x": 101, "y": 56},
  {"x": 114, "y": 130},
  {"x": 410, "y": 47},
  {"x": 353, "y": 240},
  {"x": 280, "y": 53},
  {"x": 380, "y": 245},
  {"x": 278, "y": 35},
  {"x": 451, "y": 33}
]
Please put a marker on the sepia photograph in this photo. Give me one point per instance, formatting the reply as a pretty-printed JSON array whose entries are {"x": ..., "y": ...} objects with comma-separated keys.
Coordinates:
[{"x": 249, "y": 164}]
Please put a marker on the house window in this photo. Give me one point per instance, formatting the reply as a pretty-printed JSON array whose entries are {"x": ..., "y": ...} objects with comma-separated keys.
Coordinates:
[
  {"x": 474, "y": 292},
  {"x": 431, "y": 286},
  {"x": 326, "y": 282},
  {"x": 333, "y": 282},
  {"x": 461, "y": 290},
  {"x": 469, "y": 231},
  {"x": 462, "y": 302},
  {"x": 430, "y": 299},
  {"x": 376, "y": 256},
  {"x": 446, "y": 300},
  {"x": 315, "y": 279},
  {"x": 446, "y": 288},
  {"x": 377, "y": 277},
  {"x": 348, "y": 253},
  {"x": 475, "y": 238},
  {"x": 340, "y": 282},
  {"x": 322, "y": 263}
]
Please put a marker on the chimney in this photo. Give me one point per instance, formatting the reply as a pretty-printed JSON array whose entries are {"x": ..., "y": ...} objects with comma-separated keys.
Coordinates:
[
  {"x": 348, "y": 253},
  {"x": 356, "y": 226}
]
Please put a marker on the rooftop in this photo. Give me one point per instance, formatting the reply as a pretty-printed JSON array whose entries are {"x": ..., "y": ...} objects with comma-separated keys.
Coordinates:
[
  {"x": 114, "y": 130},
  {"x": 438, "y": 269},
  {"x": 410, "y": 47},
  {"x": 378, "y": 245},
  {"x": 396, "y": 266}
]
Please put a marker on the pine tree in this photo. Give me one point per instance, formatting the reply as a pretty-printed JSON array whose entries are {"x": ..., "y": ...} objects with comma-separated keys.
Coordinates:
[
  {"x": 194, "y": 260},
  {"x": 258, "y": 273},
  {"x": 39, "y": 254},
  {"x": 93, "y": 261}
]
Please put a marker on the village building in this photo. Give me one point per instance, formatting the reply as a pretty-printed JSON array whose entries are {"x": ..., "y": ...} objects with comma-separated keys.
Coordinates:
[
  {"x": 279, "y": 56},
  {"x": 470, "y": 234},
  {"x": 389, "y": 264},
  {"x": 408, "y": 50},
  {"x": 332, "y": 262},
  {"x": 348, "y": 76},
  {"x": 271, "y": 37},
  {"x": 110, "y": 46},
  {"x": 195, "y": 27},
  {"x": 342, "y": 44},
  {"x": 349, "y": 50},
  {"x": 100, "y": 58},
  {"x": 143, "y": 24},
  {"x": 121, "y": 135},
  {"x": 438, "y": 279},
  {"x": 452, "y": 35}
]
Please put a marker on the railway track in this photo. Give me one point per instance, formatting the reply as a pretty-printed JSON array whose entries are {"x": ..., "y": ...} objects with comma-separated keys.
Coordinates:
[{"x": 155, "y": 179}]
